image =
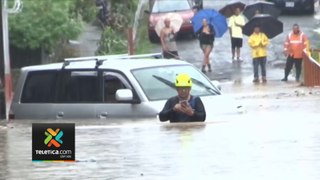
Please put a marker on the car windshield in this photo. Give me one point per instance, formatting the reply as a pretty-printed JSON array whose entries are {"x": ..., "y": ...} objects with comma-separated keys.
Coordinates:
[
  {"x": 170, "y": 6},
  {"x": 158, "y": 83}
]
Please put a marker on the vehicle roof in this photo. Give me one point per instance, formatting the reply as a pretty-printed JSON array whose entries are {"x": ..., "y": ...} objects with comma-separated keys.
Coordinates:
[{"x": 119, "y": 64}]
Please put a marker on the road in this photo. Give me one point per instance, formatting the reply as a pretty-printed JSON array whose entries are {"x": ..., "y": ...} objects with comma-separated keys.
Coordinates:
[{"x": 224, "y": 69}]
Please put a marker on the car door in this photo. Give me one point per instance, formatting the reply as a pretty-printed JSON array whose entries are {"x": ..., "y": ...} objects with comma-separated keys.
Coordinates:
[
  {"x": 78, "y": 92},
  {"x": 111, "y": 108}
]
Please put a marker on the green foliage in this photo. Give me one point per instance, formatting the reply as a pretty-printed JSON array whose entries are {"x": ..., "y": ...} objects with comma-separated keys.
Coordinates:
[
  {"x": 111, "y": 42},
  {"x": 85, "y": 9},
  {"x": 44, "y": 24},
  {"x": 114, "y": 38}
]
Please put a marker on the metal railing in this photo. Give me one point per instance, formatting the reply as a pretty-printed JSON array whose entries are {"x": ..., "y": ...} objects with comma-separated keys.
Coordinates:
[{"x": 311, "y": 69}]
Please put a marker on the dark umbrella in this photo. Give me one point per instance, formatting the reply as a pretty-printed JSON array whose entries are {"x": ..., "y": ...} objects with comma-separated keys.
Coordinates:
[
  {"x": 261, "y": 7},
  {"x": 228, "y": 10},
  {"x": 269, "y": 25}
]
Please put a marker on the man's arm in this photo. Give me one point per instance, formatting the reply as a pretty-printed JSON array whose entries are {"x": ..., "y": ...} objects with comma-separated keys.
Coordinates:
[
  {"x": 199, "y": 113},
  {"x": 167, "y": 111}
]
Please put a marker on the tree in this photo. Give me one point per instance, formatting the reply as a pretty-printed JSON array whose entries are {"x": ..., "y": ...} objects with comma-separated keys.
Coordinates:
[
  {"x": 114, "y": 36},
  {"x": 44, "y": 24}
]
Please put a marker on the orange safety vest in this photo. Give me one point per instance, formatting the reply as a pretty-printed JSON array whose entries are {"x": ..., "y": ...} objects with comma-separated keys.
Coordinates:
[{"x": 295, "y": 44}]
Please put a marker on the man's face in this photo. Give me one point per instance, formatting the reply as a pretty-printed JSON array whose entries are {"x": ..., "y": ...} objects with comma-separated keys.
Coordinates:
[
  {"x": 237, "y": 11},
  {"x": 167, "y": 22},
  {"x": 183, "y": 92},
  {"x": 257, "y": 29},
  {"x": 296, "y": 29}
]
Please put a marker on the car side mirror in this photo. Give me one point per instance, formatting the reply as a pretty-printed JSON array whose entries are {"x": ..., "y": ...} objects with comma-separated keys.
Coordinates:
[
  {"x": 216, "y": 84},
  {"x": 124, "y": 95},
  {"x": 147, "y": 11}
]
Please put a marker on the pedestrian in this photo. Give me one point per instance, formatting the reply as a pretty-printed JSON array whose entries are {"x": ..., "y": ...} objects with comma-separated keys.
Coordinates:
[
  {"x": 294, "y": 46},
  {"x": 184, "y": 107},
  {"x": 168, "y": 42},
  {"x": 206, "y": 38},
  {"x": 235, "y": 24},
  {"x": 258, "y": 42}
]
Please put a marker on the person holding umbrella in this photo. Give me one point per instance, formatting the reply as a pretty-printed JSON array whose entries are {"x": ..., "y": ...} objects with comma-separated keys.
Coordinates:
[
  {"x": 206, "y": 36},
  {"x": 168, "y": 42},
  {"x": 236, "y": 22},
  {"x": 258, "y": 42}
]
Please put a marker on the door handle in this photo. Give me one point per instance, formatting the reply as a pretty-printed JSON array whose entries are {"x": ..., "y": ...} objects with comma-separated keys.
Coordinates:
[
  {"x": 103, "y": 115},
  {"x": 60, "y": 115}
]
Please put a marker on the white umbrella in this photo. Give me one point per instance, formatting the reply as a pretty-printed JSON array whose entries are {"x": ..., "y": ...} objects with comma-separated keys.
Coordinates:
[{"x": 175, "y": 22}]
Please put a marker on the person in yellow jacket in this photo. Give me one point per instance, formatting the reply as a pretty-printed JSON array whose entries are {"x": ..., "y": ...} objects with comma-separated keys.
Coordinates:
[{"x": 258, "y": 42}]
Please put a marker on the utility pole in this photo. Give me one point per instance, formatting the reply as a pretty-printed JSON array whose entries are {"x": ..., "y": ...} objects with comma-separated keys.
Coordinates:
[
  {"x": 6, "y": 52},
  {"x": 6, "y": 59},
  {"x": 2, "y": 103}
]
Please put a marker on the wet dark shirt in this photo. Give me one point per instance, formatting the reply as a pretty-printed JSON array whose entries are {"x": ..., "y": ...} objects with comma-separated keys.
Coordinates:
[
  {"x": 168, "y": 113},
  {"x": 204, "y": 38}
]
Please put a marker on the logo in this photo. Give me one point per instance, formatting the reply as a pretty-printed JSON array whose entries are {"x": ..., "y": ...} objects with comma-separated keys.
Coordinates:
[
  {"x": 53, "y": 142},
  {"x": 53, "y": 137}
]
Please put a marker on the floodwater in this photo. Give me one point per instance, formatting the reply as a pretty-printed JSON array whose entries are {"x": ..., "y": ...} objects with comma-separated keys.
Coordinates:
[{"x": 256, "y": 145}]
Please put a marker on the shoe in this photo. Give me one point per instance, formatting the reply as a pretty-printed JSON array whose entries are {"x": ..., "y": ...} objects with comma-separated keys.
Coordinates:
[
  {"x": 264, "y": 80},
  {"x": 234, "y": 59},
  {"x": 284, "y": 79},
  {"x": 209, "y": 68},
  {"x": 256, "y": 80},
  {"x": 239, "y": 59},
  {"x": 203, "y": 69}
]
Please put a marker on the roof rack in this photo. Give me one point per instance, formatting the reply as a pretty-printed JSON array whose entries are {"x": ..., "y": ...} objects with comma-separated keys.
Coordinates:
[{"x": 100, "y": 59}]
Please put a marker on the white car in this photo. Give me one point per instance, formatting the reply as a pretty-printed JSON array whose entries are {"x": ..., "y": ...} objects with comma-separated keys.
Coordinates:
[{"x": 95, "y": 88}]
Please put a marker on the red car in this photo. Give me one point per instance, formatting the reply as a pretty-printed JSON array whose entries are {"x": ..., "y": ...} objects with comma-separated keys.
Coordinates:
[{"x": 158, "y": 8}]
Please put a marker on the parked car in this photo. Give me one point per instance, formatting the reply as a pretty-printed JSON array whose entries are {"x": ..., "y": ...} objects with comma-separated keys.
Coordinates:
[
  {"x": 100, "y": 89},
  {"x": 306, "y": 6},
  {"x": 158, "y": 8}
]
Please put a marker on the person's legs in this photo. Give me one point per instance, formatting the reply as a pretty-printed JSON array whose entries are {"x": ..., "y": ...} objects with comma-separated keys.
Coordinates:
[
  {"x": 288, "y": 68},
  {"x": 263, "y": 61},
  {"x": 207, "y": 53},
  {"x": 203, "y": 48},
  {"x": 233, "y": 48},
  {"x": 239, "y": 45},
  {"x": 166, "y": 55},
  {"x": 298, "y": 66},
  {"x": 255, "y": 63}
]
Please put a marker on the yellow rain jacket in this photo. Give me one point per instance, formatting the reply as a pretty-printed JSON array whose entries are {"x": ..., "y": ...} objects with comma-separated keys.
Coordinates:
[{"x": 258, "y": 43}]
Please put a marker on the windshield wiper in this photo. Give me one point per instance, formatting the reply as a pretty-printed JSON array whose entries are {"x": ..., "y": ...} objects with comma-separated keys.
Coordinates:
[
  {"x": 165, "y": 81},
  {"x": 205, "y": 86}
]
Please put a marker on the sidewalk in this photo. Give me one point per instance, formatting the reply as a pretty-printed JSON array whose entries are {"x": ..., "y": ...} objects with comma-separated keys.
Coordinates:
[{"x": 273, "y": 88}]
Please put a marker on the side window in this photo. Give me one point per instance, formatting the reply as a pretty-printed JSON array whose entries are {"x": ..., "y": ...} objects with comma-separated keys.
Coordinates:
[
  {"x": 39, "y": 87},
  {"x": 78, "y": 87},
  {"x": 112, "y": 83}
]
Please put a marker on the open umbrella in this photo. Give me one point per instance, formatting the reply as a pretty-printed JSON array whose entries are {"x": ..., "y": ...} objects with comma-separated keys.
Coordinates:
[
  {"x": 175, "y": 22},
  {"x": 228, "y": 9},
  {"x": 269, "y": 25},
  {"x": 217, "y": 20},
  {"x": 261, "y": 7}
]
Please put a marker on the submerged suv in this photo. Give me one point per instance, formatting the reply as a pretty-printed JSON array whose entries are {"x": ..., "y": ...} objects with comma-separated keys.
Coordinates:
[{"x": 95, "y": 88}]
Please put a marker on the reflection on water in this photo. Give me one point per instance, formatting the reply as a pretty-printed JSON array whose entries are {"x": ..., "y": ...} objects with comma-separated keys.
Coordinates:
[{"x": 252, "y": 146}]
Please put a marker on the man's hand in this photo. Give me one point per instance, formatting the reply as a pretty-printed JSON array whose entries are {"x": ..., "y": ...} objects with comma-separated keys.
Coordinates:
[{"x": 187, "y": 109}]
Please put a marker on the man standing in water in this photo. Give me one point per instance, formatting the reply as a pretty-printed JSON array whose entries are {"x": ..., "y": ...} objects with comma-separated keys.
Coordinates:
[{"x": 184, "y": 107}]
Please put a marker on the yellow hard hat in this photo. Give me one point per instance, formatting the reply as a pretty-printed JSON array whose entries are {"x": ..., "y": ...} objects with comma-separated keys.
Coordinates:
[{"x": 183, "y": 80}]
